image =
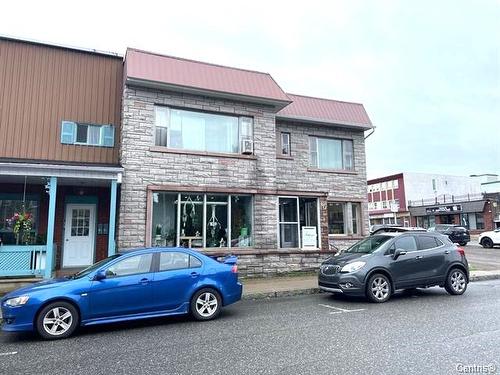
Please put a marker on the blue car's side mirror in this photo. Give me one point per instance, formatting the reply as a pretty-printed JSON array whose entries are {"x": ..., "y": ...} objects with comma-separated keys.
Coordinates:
[{"x": 100, "y": 275}]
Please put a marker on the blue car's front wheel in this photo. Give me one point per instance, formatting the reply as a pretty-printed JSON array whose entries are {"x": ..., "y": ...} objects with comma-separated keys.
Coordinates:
[
  {"x": 57, "y": 320},
  {"x": 206, "y": 304}
]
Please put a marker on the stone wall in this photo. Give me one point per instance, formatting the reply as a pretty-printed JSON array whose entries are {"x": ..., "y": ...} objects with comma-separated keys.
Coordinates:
[
  {"x": 146, "y": 165},
  {"x": 277, "y": 263}
]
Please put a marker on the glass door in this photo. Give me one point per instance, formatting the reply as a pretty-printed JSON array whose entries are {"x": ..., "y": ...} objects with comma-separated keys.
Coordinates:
[{"x": 288, "y": 222}]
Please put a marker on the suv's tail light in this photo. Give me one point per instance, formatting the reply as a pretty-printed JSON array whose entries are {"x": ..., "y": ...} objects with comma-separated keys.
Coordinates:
[
  {"x": 460, "y": 250},
  {"x": 234, "y": 269}
]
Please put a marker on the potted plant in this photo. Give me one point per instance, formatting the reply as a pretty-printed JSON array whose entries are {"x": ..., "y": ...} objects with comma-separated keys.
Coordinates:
[{"x": 23, "y": 223}]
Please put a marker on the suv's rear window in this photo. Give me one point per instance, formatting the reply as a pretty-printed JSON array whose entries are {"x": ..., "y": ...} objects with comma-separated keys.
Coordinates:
[{"x": 427, "y": 242}]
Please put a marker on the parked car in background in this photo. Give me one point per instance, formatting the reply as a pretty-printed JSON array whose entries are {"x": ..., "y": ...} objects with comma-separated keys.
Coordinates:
[
  {"x": 139, "y": 284},
  {"x": 455, "y": 233},
  {"x": 381, "y": 264},
  {"x": 397, "y": 229},
  {"x": 490, "y": 238}
]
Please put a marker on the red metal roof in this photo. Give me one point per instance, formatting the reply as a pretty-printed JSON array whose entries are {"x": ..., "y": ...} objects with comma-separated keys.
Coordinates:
[
  {"x": 307, "y": 108},
  {"x": 201, "y": 76}
]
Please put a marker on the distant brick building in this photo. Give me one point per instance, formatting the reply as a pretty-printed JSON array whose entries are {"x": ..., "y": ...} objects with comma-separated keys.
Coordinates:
[{"x": 425, "y": 200}]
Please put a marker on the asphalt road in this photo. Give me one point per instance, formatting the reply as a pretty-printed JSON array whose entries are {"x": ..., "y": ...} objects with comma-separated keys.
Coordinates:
[
  {"x": 427, "y": 332},
  {"x": 481, "y": 258}
]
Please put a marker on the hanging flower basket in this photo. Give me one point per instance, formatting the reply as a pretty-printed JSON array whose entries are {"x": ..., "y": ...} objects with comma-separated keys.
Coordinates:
[{"x": 23, "y": 223}]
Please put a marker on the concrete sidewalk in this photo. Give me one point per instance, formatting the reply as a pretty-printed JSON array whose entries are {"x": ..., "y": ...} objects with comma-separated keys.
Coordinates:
[{"x": 296, "y": 285}]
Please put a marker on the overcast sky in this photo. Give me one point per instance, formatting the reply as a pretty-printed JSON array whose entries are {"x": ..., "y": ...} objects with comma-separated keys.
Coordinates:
[{"x": 428, "y": 72}]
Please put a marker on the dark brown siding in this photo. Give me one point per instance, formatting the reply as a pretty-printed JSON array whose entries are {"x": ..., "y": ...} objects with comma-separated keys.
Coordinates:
[{"x": 42, "y": 85}]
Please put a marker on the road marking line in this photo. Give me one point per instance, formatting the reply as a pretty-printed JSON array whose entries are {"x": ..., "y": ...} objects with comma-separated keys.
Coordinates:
[
  {"x": 339, "y": 309},
  {"x": 8, "y": 353}
]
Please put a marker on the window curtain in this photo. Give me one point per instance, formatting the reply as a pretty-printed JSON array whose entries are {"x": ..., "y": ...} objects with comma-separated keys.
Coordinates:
[{"x": 329, "y": 153}]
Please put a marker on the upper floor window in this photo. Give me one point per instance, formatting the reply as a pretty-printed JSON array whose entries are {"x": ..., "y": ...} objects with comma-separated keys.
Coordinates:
[
  {"x": 285, "y": 144},
  {"x": 330, "y": 153},
  {"x": 201, "y": 131},
  {"x": 87, "y": 134}
]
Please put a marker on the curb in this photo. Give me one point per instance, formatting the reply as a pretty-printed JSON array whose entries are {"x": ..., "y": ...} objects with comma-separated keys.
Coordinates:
[
  {"x": 308, "y": 291},
  {"x": 484, "y": 277},
  {"x": 281, "y": 293}
]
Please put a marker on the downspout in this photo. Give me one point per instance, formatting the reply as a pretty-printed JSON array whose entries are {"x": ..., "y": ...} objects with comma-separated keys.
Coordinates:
[{"x": 373, "y": 131}]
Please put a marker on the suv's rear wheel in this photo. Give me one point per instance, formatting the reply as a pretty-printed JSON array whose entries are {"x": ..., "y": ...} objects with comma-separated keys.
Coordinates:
[
  {"x": 378, "y": 288},
  {"x": 487, "y": 242},
  {"x": 456, "y": 282}
]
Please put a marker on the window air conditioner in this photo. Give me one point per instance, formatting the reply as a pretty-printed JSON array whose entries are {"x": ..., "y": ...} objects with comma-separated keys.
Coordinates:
[{"x": 246, "y": 146}]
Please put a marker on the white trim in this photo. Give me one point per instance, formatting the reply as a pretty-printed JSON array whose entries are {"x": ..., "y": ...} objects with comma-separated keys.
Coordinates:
[
  {"x": 178, "y": 239},
  {"x": 60, "y": 170}
]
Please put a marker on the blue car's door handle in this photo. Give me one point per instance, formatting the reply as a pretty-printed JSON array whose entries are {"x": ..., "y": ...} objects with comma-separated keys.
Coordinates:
[
  {"x": 144, "y": 281},
  {"x": 195, "y": 274}
]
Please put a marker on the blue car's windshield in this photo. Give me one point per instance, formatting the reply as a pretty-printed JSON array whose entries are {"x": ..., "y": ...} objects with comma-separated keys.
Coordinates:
[
  {"x": 93, "y": 267},
  {"x": 369, "y": 245}
]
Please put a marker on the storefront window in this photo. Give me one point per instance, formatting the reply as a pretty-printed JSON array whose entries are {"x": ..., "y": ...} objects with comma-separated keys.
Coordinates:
[
  {"x": 464, "y": 220},
  {"x": 241, "y": 221},
  {"x": 432, "y": 221},
  {"x": 479, "y": 221},
  {"x": 338, "y": 218},
  {"x": 217, "y": 221},
  {"x": 9, "y": 207},
  {"x": 164, "y": 219},
  {"x": 201, "y": 220}
]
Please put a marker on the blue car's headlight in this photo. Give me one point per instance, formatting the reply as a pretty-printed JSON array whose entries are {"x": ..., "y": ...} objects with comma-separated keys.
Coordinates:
[{"x": 17, "y": 301}]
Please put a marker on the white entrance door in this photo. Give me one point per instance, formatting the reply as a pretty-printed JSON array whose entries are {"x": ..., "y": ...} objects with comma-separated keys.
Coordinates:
[{"x": 79, "y": 235}]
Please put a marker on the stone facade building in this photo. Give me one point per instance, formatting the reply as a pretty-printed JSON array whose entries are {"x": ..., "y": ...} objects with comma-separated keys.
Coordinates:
[{"x": 221, "y": 159}]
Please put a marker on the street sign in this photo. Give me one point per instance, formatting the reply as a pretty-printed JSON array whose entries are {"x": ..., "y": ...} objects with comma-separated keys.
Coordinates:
[{"x": 394, "y": 206}]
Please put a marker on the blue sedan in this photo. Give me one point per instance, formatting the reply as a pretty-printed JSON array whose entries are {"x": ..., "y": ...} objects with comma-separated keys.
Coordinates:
[{"x": 139, "y": 284}]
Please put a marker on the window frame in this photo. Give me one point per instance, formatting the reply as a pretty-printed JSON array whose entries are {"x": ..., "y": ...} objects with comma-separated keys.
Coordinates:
[
  {"x": 298, "y": 221},
  {"x": 69, "y": 134},
  {"x": 228, "y": 202},
  {"x": 419, "y": 243},
  {"x": 348, "y": 224},
  {"x": 245, "y": 127},
  {"x": 288, "y": 144},
  {"x": 313, "y": 150}
]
